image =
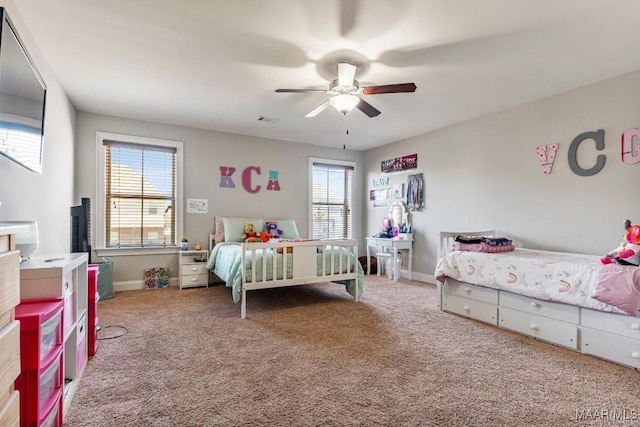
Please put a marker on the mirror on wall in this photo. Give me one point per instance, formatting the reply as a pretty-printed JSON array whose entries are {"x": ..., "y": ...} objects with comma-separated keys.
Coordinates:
[{"x": 22, "y": 101}]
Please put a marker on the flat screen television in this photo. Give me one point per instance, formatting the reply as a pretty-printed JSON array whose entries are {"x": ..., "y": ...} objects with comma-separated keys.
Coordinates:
[
  {"x": 22, "y": 100},
  {"x": 81, "y": 227}
]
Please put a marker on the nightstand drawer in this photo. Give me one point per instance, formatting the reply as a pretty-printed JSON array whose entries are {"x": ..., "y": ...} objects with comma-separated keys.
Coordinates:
[
  {"x": 195, "y": 280},
  {"x": 192, "y": 269}
]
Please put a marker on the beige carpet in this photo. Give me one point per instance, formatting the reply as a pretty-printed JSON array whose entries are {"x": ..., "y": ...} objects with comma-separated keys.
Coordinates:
[{"x": 310, "y": 356}]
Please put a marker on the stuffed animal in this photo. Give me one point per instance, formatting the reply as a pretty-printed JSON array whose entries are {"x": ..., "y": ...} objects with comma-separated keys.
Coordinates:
[
  {"x": 628, "y": 253},
  {"x": 250, "y": 234},
  {"x": 265, "y": 236},
  {"x": 272, "y": 228}
]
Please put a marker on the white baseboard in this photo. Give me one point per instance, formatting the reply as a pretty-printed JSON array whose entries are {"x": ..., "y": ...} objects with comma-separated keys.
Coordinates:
[
  {"x": 137, "y": 285},
  {"x": 419, "y": 277}
]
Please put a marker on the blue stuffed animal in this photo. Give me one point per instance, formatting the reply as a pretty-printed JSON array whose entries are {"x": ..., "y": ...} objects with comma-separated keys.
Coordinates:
[{"x": 272, "y": 228}]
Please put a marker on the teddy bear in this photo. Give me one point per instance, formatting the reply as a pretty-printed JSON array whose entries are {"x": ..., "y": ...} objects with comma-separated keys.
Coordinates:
[
  {"x": 628, "y": 253},
  {"x": 272, "y": 228},
  {"x": 250, "y": 234}
]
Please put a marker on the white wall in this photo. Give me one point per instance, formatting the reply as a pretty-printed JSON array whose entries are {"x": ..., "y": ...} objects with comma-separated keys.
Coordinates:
[
  {"x": 485, "y": 173},
  {"x": 45, "y": 197},
  {"x": 205, "y": 151}
]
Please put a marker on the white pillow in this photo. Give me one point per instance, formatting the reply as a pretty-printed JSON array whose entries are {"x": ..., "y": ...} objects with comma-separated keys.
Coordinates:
[{"x": 234, "y": 228}]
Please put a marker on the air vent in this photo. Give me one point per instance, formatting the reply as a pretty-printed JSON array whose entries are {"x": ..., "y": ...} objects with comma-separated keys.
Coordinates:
[{"x": 266, "y": 119}]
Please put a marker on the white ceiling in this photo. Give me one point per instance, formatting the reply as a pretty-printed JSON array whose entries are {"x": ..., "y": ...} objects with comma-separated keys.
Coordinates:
[{"x": 214, "y": 64}]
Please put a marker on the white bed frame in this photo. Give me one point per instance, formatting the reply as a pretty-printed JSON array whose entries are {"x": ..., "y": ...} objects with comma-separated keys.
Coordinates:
[
  {"x": 609, "y": 336},
  {"x": 304, "y": 256}
]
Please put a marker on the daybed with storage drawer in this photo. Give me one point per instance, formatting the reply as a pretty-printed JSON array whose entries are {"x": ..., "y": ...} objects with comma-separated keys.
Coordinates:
[
  {"x": 260, "y": 265},
  {"x": 566, "y": 299}
]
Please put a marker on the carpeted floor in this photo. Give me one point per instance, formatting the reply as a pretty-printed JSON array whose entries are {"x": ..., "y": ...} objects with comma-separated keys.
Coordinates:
[{"x": 310, "y": 356}]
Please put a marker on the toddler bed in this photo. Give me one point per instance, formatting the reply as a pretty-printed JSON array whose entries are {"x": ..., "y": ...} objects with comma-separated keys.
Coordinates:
[
  {"x": 286, "y": 260},
  {"x": 566, "y": 299}
]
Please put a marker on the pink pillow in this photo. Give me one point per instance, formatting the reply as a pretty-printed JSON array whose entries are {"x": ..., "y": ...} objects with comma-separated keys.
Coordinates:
[{"x": 619, "y": 286}]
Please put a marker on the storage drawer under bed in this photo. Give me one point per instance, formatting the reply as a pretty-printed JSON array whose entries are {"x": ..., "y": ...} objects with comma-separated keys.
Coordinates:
[
  {"x": 468, "y": 307},
  {"x": 554, "y": 310},
  {"x": 620, "y": 349},
  {"x": 467, "y": 290},
  {"x": 620, "y": 324},
  {"x": 544, "y": 328}
]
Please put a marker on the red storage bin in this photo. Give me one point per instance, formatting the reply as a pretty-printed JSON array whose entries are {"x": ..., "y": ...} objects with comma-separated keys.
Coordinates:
[
  {"x": 40, "y": 390},
  {"x": 40, "y": 331},
  {"x": 41, "y": 359},
  {"x": 92, "y": 279},
  {"x": 92, "y": 316},
  {"x": 92, "y": 336},
  {"x": 54, "y": 417}
]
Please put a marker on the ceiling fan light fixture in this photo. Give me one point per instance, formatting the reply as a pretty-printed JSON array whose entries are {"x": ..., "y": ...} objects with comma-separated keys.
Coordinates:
[{"x": 344, "y": 103}]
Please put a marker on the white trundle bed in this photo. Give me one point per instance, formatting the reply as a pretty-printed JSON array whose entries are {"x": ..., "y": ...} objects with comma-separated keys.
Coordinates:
[{"x": 542, "y": 294}]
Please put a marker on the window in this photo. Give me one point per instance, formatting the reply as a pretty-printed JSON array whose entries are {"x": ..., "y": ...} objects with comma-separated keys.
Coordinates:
[
  {"x": 331, "y": 196},
  {"x": 139, "y": 192}
]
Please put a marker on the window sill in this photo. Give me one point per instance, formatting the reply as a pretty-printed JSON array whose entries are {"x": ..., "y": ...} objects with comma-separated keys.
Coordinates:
[{"x": 116, "y": 252}]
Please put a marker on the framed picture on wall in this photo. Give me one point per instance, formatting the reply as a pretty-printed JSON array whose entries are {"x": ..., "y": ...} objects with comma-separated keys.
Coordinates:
[
  {"x": 397, "y": 191},
  {"x": 399, "y": 164}
]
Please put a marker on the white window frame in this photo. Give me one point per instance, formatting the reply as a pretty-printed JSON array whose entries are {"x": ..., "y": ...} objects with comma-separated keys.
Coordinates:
[
  {"x": 99, "y": 219},
  {"x": 354, "y": 212}
]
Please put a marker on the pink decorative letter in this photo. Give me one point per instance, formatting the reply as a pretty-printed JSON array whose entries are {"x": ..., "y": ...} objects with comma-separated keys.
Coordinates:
[
  {"x": 546, "y": 155},
  {"x": 630, "y": 153},
  {"x": 246, "y": 179}
]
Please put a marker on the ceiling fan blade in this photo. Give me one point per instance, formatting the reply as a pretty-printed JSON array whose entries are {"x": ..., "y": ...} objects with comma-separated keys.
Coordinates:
[
  {"x": 367, "y": 108},
  {"x": 346, "y": 73},
  {"x": 396, "y": 88},
  {"x": 300, "y": 90},
  {"x": 318, "y": 109}
]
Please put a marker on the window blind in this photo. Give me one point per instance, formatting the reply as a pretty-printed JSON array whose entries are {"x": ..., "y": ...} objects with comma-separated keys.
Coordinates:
[
  {"x": 140, "y": 195},
  {"x": 331, "y": 201}
]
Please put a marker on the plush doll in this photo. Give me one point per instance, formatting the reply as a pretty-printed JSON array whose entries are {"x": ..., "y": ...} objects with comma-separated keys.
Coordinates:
[
  {"x": 272, "y": 228},
  {"x": 265, "y": 236},
  {"x": 250, "y": 234},
  {"x": 628, "y": 253}
]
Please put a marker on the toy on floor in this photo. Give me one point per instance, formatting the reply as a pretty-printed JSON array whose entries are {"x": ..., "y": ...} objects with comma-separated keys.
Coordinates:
[{"x": 628, "y": 253}]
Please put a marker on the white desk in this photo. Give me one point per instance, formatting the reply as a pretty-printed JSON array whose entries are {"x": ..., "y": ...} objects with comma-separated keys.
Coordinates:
[{"x": 395, "y": 245}]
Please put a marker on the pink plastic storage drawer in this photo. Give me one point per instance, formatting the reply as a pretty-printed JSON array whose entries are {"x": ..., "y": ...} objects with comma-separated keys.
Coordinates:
[
  {"x": 92, "y": 279},
  {"x": 40, "y": 390},
  {"x": 54, "y": 417},
  {"x": 40, "y": 331},
  {"x": 50, "y": 381}
]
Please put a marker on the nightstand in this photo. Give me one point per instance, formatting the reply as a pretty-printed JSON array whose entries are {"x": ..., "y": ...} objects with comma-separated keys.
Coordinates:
[{"x": 193, "y": 268}]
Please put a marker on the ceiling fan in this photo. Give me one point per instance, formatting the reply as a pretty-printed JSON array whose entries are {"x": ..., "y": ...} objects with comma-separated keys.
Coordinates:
[{"x": 345, "y": 90}]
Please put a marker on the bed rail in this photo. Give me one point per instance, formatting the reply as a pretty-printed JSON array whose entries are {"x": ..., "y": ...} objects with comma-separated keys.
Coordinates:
[{"x": 339, "y": 261}]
